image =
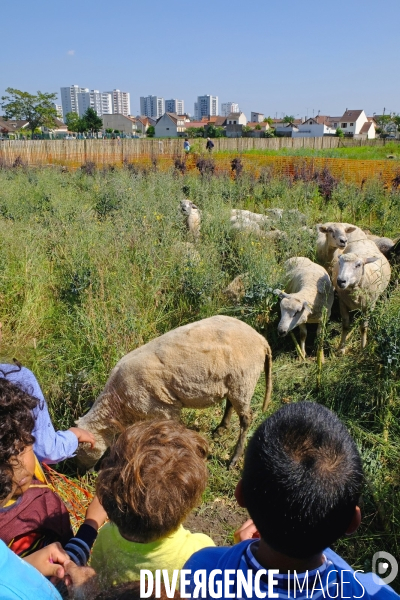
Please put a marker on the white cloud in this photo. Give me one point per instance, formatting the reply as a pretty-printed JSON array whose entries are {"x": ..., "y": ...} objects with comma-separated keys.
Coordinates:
[{"x": 71, "y": 52}]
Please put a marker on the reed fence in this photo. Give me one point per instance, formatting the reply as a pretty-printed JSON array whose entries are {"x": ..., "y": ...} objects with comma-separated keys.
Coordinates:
[{"x": 162, "y": 154}]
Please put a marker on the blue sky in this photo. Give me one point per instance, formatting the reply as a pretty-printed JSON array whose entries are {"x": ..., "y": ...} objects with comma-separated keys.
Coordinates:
[{"x": 270, "y": 56}]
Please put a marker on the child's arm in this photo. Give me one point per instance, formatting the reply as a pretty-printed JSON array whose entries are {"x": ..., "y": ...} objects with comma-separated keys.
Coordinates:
[
  {"x": 247, "y": 531},
  {"x": 79, "y": 547},
  {"x": 50, "y": 446}
]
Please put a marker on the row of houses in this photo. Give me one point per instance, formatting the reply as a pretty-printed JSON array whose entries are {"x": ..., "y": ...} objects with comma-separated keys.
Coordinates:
[{"x": 354, "y": 123}]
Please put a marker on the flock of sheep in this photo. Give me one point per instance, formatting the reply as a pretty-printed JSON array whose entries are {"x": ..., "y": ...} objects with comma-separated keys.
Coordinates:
[{"x": 200, "y": 364}]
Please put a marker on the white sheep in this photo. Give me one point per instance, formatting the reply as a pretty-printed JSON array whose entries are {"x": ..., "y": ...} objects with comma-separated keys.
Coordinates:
[
  {"x": 193, "y": 366},
  {"x": 333, "y": 239},
  {"x": 308, "y": 292},
  {"x": 193, "y": 217},
  {"x": 238, "y": 213},
  {"x": 360, "y": 275}
]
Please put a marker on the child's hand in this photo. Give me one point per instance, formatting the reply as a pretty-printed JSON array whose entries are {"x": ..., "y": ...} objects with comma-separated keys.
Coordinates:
[
  {"x": 49, "y": 561},
  {"x": 247, "y": 531},
  {"x": 96, "y": 516},
  {"x": 83, "y": 436}
]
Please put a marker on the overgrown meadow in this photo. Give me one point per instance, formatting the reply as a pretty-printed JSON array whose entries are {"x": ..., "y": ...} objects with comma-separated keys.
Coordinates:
[{"x": 95, "y": 263}]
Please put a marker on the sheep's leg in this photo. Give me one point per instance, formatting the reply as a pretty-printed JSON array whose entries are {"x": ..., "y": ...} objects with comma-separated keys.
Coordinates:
[
  {"x": 364, "y": 329},
  {"x": 245, "y": 421},
  {"x": 344, "y": 311},
  {"x": 303, "y": 336},
  {"x": 226, "y": 419}
]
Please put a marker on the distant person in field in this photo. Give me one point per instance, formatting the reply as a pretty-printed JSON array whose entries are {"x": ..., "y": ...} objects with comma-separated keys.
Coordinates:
[
  {"x": 153, "y": 478},
  {"x": 50, "y": 446},
  {"x": 186, "y": 146},
  {"x": 301, "y": 484},
  {"x": 209, "y": 145}
]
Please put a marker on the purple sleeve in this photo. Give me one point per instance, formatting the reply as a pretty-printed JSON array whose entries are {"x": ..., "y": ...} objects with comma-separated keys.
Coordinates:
[{"x": 50, "y": 446}]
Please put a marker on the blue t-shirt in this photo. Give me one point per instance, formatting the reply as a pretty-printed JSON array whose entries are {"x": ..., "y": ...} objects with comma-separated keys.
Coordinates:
[
  {"x": 20, "y": 581},
  {"x": 333, "y": 579},
  {"x": 50, "y": 446}
]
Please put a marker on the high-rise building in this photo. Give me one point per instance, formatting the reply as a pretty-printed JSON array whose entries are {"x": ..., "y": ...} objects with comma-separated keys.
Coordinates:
[
  {"x": 101, "y": 102},
  {"x": 69, "y": 98},
  {"x": 175, "y": 106},
  {"x": 206, "y": 106},
  {"x": 59, "y": 110},
  {"x": 121, "y": 102},
  {"x": 229, "y": 107},
  {"x": 152, "y": 106}
]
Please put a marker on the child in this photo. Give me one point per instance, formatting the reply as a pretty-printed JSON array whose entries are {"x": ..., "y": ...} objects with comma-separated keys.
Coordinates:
[
  {"x": 31, "y": 514},
  {"x": 154, "y": 477},
  {"x": 49, "y": 446},
  {"x": 301, "y": 484}
]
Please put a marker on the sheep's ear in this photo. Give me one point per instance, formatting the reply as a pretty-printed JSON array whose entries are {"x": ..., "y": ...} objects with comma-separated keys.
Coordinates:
[
  {"x": 371, "y": 259},
  {"x": 350, "y": 229},
  {"x": 194, "y": 206},
  {"x": 322, "y": 228},
  {"x": 306, "y": 306},
  {"x": 281, "y": 294},
  {"x": 278, "y": 293}
]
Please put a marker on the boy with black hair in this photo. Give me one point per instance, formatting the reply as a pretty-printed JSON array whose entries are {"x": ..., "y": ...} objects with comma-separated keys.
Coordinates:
[{"x": 301, "y": 484}]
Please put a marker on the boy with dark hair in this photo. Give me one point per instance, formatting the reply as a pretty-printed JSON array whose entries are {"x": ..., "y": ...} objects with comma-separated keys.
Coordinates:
[
  {"x": 301, "y": 484},
  {"x": 153, "y": 478}
]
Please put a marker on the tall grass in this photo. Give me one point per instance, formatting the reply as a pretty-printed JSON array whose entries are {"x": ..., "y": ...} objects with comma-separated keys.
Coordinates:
[{"x": 94, "y": 265}]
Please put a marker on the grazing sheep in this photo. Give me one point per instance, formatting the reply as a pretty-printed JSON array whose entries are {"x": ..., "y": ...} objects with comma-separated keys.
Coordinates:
[
  {"x": 309, "y": 291},
  {"x": 237, "y": 214},
  {"x": 193, "y": 218},
  {"x": 292, "y": 214},
  {"x": 194, "y": 366},
  {"x": 236, "y": 289},
  {"x": 332, "y": 240},
  {"x": 360, "y": 275}
]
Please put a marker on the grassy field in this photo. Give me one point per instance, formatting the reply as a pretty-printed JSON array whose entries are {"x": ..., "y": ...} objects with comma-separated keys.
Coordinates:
[
  {"x": 390, "y": 149},
  {"x": 94, "y": 265}
]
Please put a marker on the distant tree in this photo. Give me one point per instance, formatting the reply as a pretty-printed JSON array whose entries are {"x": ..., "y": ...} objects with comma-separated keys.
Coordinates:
[
  {"x": 339, "y": 132},
  {"x": 195, "y": 132},
  {"x": 212, "y": 131},
  {"x": 258, "y": 127},
  {"x": 72, "y": 121},
  {"x": 109, "y": 130},
  {"x": 385, "y": 124},
  {"x": 246, "y": 130},
  {"x": 37, "y": 110},
  {"x": 93, "y": 122},
  {"x": 220, "y": 132},
  {"x": 268, "y": 120},
  {"x": 288, "y": 119},
  {"x": 151, "y": 131}
]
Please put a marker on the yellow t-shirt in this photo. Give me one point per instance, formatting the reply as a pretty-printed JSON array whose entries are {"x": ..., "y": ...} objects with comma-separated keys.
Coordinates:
[{"x": 117, "y": 560}]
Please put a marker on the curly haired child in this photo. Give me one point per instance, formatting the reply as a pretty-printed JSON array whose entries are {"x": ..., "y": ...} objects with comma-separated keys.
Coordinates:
[
  {"x": 31, "y": 514},
  {"x": 153, "y": 478}
]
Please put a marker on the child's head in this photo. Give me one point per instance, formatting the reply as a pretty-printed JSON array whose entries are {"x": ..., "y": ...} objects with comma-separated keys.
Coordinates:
[
  {"x": 153, "y": 478},
  {"x": 17, "y": 461},
  {"x": 302, "y": 479}
]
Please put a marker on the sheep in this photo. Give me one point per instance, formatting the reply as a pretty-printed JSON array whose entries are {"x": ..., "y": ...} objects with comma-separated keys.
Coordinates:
[
  {"x": 332, "y": 240},
  {"x": 193, "y": 366},
  {"x": 236, "y": 290},
  {"x": 308, "y": 292},
  {"x": 384, "y": 244},
  {"x": 237, "y": 213},
  {"x": 292, "y": 214},
  {"x": 193, "y": 218},
  {"x": 359, "y": 276}
]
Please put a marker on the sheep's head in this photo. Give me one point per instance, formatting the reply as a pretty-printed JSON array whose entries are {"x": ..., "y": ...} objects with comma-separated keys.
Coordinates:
[
  {"x": 187, "y": 206},
  {"x": 351, "y": 269},
  {"x": 294, "y": 312},
  {"x": 336, "y": 233}
]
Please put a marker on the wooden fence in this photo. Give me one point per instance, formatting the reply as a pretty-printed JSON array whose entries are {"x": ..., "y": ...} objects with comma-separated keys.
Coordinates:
[{"x": 74, "y": 153}]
